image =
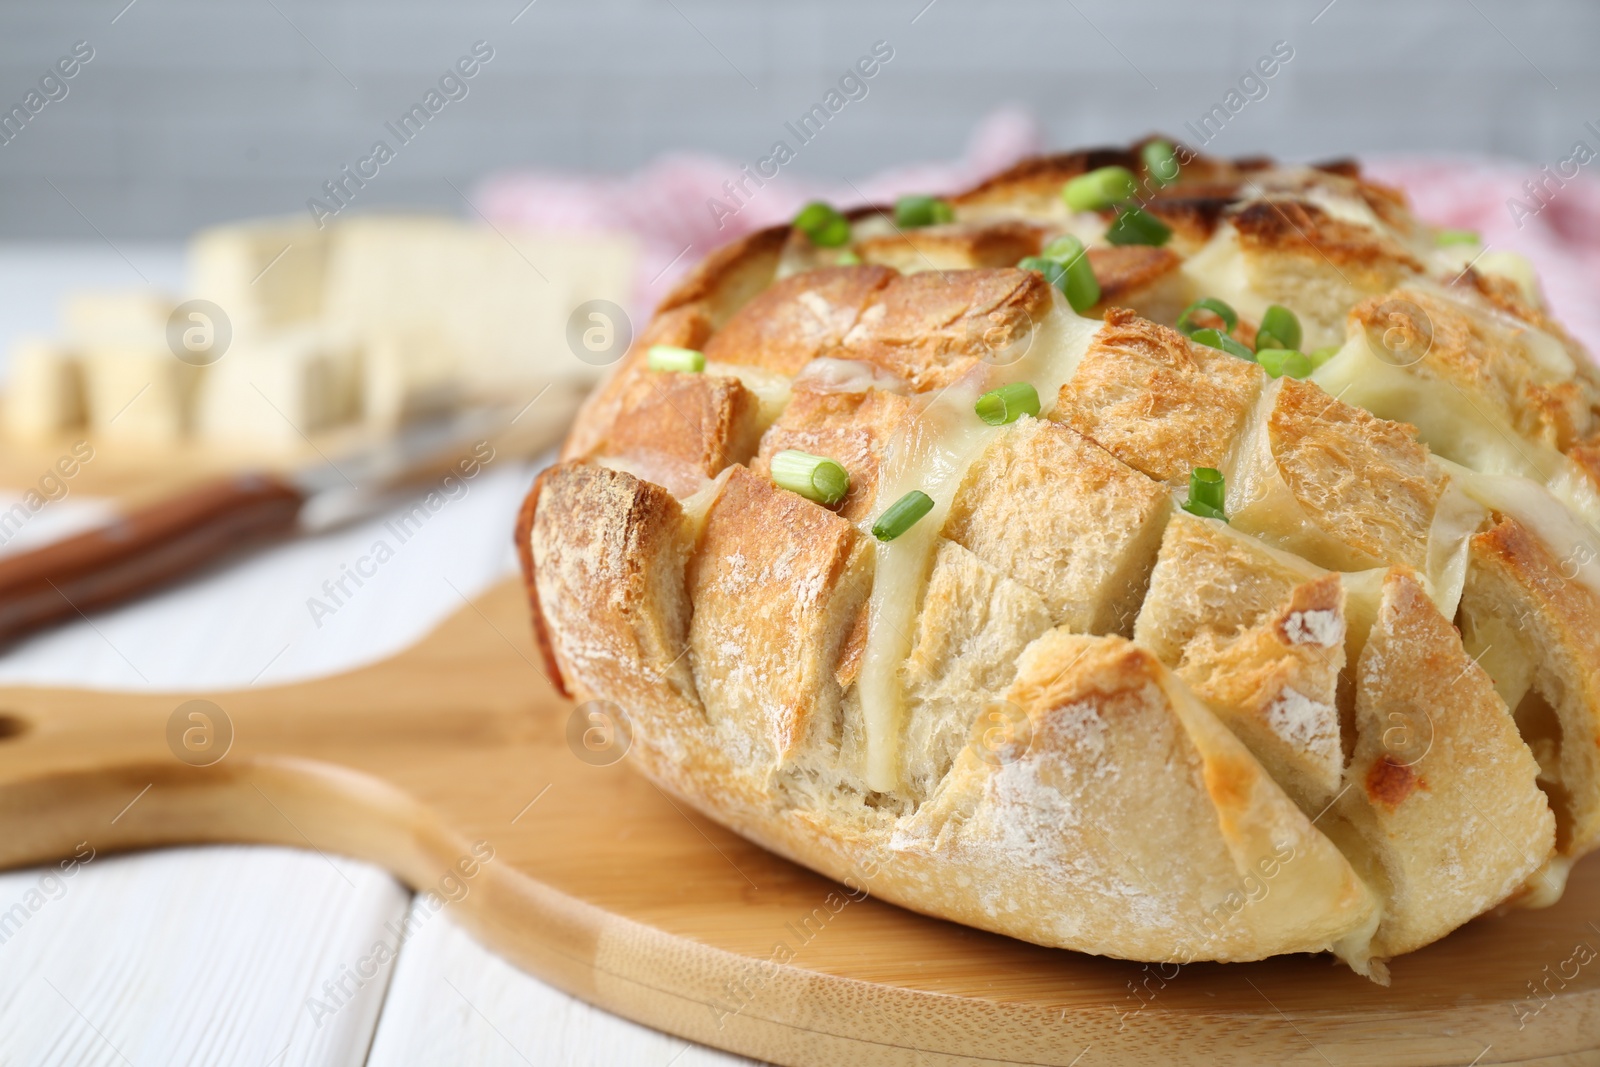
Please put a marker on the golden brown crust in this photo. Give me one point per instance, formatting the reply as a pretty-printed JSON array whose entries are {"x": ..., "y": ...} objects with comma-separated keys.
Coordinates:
[
  {"x": 929, "y": 329},
  {"x": 687, "y": 326},
  {"x": 1052, "y": 510},
  {"x": 1125, "y": 746},
  {"x": 1285, "y": 227},
  {"x": 1194, "y": 213},
  {"x": 683, "y": 428},
  {"x": 1388, "y": 203},
  {"x": 1507, "y": 296},
  {"x": 1442, "y": 794},
  {"x": 1262, "y": 640},
  {"x": 850, "y": 428},
  {"x": 1156, "y": 401},
  {"x": 1365, "y": 481},
  {"x": 1126, "y": 273},
  {"x": 607, "y": 556},
  {"x": 735, "y": 624},
  {"x": 1485, "y": 359},
  {"x": 1587, "y": 456},
  {"x": 926, "y": 329},
  {"x": 730, "y": 276},
  {"x": 1043, "y": 176},
  {"x": 958, "y": 246},
  {"x": 795, "y": 320},
  {"x": 523, "y": 537},
  {"x": 771, "y": 612},
  {"x": 1276, "y": 684},
  {"x": 1520, "y": 593},
  {"x": 1344, "y": 166}
]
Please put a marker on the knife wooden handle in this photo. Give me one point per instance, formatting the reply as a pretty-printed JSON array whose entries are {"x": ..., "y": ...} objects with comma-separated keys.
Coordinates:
[{"x": 141, "y": 551}]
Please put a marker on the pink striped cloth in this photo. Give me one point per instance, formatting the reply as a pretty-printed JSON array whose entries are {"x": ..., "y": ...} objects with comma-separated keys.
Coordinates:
[{"x": 669, "y": 206}]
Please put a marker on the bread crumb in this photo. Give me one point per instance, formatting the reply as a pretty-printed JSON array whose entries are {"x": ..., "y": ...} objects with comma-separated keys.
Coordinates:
[
  {"x": 1305, "y": 723},
  {"x": 1321, "y": 627}
]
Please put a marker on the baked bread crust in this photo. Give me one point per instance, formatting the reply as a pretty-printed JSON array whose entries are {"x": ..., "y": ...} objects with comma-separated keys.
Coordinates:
[{"x": 1110, "y": 725}]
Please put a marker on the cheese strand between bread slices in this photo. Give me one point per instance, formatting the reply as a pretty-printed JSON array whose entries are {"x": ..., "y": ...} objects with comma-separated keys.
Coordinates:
[
  {"x": 1574, "y": 542},
  {"x": 932, "y": 454}
]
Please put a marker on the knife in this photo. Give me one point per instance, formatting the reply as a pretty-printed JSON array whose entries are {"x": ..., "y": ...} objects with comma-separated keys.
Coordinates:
[{"x": 155, "y": 545}]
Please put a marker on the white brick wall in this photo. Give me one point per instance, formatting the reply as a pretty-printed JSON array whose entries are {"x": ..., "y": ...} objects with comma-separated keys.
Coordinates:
[{"x": 198, "y": 110}]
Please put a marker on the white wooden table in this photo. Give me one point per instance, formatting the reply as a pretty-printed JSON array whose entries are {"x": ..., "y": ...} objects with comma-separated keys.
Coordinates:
[{"x": 246, "y": 955}]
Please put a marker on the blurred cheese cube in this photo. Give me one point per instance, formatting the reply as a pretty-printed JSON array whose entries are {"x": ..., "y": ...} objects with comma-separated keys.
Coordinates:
[
  {"x": 404, "y": 377},
  {"x": 44, "y": 390},
  {"x": 264, "y": 275},
  {"x": 135, "y": 318},
  {"x": 385, "y": 318},
  {"x": 137, "y": 394},
  {"x": 498, "y": 299},
  {"x": 136, "y": 391},
  {"x": 276, "y": 392}
]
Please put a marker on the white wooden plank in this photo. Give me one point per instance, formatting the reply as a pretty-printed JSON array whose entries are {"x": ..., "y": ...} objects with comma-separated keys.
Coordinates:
[
  {"x": 453, "y": 1001},
  {"x": 195, "y": 956}
]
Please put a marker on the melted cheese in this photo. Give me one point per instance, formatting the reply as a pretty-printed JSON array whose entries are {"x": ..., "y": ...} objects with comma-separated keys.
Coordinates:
[
  {"x": 1450, "y": 422},
  {"x": 1551, "y": 361},
  {"x": 1345, "y": 207},
  {"x": 1456, "y": 518},
  {"x": 1261, "y": 503},
  {"x": 933, "y": 455},
  {"x": 770, "y": 387},
  {"x": 697, "y": 505},
  {"x": 828, "y": 374},
  {"x": 1218, "y": 270},
  {"x": 1574, "y": 542}
]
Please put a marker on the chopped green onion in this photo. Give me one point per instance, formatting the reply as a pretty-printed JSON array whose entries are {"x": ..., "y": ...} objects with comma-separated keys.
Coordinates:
[
  {"x": 813, "y": 477},
  {"x": 1136, "y": 226},
  {"x": 1064, "y": 249},
  {"x": 1161, "y": 160},
  {"x": 1008, "y": 403},
  {"x": 902, "y": 515},
  {"x": 1065, "y": 264},
  {"x": 847, "y": 258},
  {"x": 1187, "y": 325},
  {"x": 1279, "y": 362},
  {"x": 668, "y": 357},
  {"x": 1208, "y": 493},
  {"x": 825, "y": 226},
  {"x": 914, "y": 211},
  {"x": 1099, "y": 189},
  {"x": 1281, "y": 325},
  {"x": 1319, "y": 356},
  {"x": 1446, "y": 238},
  {"x": 1054, "y": 271},
  {"x": 1221, "y": 341}
]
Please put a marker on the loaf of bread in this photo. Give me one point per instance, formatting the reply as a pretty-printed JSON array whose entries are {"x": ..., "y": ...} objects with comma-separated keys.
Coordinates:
[{"x": 1344, "y": 697}]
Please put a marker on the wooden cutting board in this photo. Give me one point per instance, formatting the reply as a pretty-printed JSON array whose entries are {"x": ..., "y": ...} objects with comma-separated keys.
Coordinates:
[{"x": 451, "y": 764}]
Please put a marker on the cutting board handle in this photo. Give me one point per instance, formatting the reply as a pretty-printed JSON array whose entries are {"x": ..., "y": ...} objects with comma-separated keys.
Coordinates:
[{"x": 140, "y": 551}]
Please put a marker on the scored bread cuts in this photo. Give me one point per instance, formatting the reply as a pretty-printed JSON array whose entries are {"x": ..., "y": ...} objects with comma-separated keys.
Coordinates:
[{"x": 1358, "y": 713}]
